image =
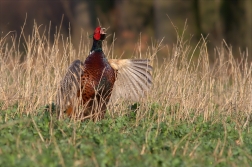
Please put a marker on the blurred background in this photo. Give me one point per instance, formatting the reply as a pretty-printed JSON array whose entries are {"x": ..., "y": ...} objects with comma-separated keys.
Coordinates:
[{"x": 127, "y": 19}]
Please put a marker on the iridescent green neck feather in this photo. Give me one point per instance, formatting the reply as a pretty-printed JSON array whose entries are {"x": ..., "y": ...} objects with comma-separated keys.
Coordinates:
[{"x": 97, "y": 46}]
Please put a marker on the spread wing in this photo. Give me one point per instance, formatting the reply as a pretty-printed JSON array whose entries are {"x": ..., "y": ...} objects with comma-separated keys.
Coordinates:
[
  {"x": 133, "y": 79},
  {"x": 70, "y": 84}
]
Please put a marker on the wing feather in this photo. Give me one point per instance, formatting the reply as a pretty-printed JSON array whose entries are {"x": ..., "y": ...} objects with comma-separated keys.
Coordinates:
[
  {"x": 70, "y": 84},
  {"x": 144, "y": 74},
  {"x": 142, "y": 79},
  {"x": 132, "y": 85},
  {"x": 133, "y": 79}
]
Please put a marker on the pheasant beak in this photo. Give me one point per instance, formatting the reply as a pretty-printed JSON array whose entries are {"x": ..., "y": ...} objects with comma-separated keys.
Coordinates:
[{"x": 102, "y": 31}]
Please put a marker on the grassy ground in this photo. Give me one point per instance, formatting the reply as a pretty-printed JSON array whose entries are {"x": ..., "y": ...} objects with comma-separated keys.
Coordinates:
[
  {"x": 197, "y": 113},
  {"x": 42, "y": 140}
]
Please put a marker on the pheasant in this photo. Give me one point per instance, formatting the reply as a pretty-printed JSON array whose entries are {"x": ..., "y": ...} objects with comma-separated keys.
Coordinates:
[{"x": 87, "y": 87}]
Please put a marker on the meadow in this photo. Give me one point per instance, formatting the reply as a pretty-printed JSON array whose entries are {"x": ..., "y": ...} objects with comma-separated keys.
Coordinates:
[{"x": 198, "y": 113}]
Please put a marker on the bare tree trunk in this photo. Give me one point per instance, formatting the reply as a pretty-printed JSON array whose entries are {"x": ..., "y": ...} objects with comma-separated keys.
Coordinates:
[
  {"x": 81, "y": 14},
  {"x": 196, "y": 11},
  {"x": 235, "y": 23}
]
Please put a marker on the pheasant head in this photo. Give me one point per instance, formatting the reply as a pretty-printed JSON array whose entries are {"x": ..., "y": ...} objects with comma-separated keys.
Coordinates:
[{"x": 99, "y": 34}]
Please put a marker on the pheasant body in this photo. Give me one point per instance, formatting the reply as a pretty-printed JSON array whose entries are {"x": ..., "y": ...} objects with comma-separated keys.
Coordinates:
[{"x": 97, "y": 81}]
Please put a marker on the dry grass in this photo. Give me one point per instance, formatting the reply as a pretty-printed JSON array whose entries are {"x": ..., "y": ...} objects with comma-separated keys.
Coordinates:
[{"x": 184, "y": 86}]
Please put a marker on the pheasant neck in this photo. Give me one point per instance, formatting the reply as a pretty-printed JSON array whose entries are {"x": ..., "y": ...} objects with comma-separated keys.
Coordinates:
[{"x": 97, "y": 46}]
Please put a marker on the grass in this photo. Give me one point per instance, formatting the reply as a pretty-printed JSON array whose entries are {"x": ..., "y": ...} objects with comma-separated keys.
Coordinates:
[
  {"x": 45, "y": 141},
  {"x": 197, "y": 114}
]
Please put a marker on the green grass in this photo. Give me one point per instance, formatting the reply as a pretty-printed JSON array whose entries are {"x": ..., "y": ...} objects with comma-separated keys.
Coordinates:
[{"x": 43, "y": 140}]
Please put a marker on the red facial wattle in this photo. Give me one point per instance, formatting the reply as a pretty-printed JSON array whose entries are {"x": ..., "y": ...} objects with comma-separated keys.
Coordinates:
[{"x": 97, "y": 34}]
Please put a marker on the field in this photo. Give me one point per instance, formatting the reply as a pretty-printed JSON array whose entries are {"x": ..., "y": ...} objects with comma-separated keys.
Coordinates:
[{"x": 198, "y": 112}]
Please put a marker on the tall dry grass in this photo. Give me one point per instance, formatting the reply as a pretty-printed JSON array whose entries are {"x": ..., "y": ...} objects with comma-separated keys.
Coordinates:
[{"x": 185, "y": 85}]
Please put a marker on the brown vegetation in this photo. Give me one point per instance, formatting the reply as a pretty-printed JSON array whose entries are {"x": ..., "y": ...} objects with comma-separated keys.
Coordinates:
[{"x": 183, "y": 89}]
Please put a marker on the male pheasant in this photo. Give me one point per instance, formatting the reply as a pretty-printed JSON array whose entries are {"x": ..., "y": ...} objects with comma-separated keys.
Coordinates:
[{"x": 89, "y": 86}]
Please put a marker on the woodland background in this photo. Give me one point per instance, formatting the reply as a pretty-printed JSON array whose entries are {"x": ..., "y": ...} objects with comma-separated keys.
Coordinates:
[{"x": 230, "y": 20}]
